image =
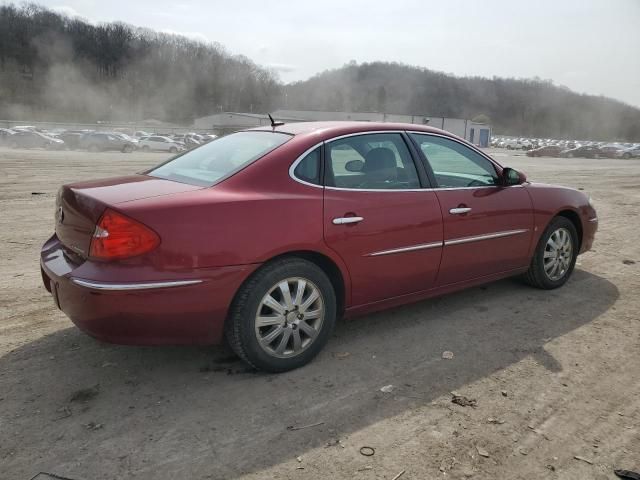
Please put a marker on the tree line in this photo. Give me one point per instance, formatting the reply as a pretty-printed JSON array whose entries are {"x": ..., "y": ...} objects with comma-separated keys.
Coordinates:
[
  {"x": 56, "y": 67},
  {"x": 528, "y": 107}
]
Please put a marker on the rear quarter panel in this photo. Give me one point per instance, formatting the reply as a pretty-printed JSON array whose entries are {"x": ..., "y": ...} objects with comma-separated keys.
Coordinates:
[{"x": 257, "y": 214}]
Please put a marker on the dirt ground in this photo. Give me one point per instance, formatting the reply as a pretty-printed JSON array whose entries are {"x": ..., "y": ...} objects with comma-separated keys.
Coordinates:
[{"x": 556, "y": 375}]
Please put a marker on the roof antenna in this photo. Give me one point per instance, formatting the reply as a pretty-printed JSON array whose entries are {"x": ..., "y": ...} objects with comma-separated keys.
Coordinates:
[{"x": 274, "y": 124}]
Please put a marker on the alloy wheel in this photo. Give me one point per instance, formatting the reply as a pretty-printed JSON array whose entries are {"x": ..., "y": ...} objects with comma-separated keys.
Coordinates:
[
  {"x": 289, "y": 317},
  {"x": 558, "y": 254}
]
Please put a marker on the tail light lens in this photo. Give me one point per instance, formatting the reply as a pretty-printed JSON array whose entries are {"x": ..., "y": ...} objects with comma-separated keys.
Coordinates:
[{"x": 117, "y": 236}]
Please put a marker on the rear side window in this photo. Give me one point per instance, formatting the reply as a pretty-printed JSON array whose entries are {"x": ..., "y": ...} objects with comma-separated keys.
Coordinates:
[
  {"x": 214, "y": 161},
  {"x": 308, "y": 170},
  {"x": 379, "y": 161}
]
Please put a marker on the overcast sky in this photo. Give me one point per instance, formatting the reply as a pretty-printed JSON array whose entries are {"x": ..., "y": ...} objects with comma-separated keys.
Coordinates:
[{"x": 591, "y": 46}]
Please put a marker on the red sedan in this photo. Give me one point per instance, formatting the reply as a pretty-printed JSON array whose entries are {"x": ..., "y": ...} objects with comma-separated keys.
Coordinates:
[{"x": 266, "y": 236}]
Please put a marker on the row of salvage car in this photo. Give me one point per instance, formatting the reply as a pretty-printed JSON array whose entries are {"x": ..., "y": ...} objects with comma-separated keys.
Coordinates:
[
  {"x": 100, "y": 141},
  {"x": 568, "y": 148}
]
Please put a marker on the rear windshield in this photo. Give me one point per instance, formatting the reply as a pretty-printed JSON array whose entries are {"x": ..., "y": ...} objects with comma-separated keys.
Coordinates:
[{"x": 209, "y": 164}]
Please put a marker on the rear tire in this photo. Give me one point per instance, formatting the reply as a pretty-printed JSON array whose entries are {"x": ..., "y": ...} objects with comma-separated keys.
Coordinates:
[
  {"x": 292, "y": 333},
  {"x": 127, "y": 149},
  {"x": 173, "y": 150},
  {"x": 145, "y": 148},
  {"x": 551, "y": 267}
]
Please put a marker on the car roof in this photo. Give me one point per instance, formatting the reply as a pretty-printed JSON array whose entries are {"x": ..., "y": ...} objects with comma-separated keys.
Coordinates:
[{"x": 337, "y": 128}]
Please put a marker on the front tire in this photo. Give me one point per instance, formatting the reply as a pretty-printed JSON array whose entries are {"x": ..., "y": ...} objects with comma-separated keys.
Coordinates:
[
  {"x": 282, "y": 316},
  {"x": 555, "y": 256}
]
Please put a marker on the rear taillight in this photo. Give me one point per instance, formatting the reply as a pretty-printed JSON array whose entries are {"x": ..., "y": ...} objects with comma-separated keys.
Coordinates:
[{"x": 117, "y": 236}]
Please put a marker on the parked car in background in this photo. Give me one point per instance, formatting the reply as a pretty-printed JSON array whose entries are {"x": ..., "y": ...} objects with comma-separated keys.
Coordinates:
[
  {"x": 105, "y": 141},
  {"x": 141, "y": 133},
  {"x": 160, "y": 143},
  {"x": 128, "y": 138},
  {"x": 245, "y": 238},
  {"x": 33, "y": 139},
  {"x": 610, "y": 151},
  {"x": 72, "y": 138},
  {"x": 584, "y": 152},
  {"x": 548, "y": 151},
  {"x": 207, "y": 137},
  {"x": 630, "y": 152},
  {"x": 5, "y": 136}
]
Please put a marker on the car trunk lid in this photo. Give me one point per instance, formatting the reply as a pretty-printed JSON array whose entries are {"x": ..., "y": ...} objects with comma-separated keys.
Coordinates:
[{"x": 80, "y": 205}]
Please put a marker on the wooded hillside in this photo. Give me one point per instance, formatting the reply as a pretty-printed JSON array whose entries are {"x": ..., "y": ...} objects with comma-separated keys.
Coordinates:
[
  {"x": 518, "y": 107},
  {"x": 56, "y": 67}
]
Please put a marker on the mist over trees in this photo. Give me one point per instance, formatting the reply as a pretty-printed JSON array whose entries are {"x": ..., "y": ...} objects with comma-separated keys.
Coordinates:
[
  {"x": 519, "y": 107},
  {"x": 59, "y": 68},
  {"x": 55, "y": 67}
]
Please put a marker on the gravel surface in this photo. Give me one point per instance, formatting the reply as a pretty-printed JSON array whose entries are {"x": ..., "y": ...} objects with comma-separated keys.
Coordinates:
[{"x": 551, "y": 379}]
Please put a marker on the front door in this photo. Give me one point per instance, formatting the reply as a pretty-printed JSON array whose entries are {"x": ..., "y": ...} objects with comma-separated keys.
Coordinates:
[
  {"x": 386, "y": 228},
  {"x": 488, "y": 227}
]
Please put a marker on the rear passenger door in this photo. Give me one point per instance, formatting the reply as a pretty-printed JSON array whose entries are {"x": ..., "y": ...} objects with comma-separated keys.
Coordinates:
[{"x": 379, "y": 217}]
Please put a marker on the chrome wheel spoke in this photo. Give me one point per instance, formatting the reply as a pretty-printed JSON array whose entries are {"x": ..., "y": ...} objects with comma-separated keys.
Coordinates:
[
  {"x": 286, "y": 294},
  {"x": 312, "y": 314},
  {"x": 270, "y": 337},
  {"x": 309, "y": 301},
  {"x": 549, "y": 254},
  {"x": 308, "y": 329},
  {"x": 274, "y": 305},
  {"x": 284, "y": 341},
  {"x": 300, "y": 288},
  {"x": 267, "y": 320},
  {"x": 297, "y": 341}
]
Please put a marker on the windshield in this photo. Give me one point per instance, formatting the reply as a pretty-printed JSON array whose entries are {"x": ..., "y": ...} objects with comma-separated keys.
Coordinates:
[{"x": 207, "y": 165}]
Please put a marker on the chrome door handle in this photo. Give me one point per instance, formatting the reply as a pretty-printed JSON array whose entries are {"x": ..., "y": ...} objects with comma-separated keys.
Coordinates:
[
  {"x": 459, "y": 210},
  {"x": 347, "y": 220}
]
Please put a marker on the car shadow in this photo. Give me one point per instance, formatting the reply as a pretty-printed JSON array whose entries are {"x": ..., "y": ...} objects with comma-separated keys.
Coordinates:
[{"x": 84, "y": 409}]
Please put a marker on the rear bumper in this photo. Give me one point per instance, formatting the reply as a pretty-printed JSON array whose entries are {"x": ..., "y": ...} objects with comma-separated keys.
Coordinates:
[{"x": 142, "y": 306}]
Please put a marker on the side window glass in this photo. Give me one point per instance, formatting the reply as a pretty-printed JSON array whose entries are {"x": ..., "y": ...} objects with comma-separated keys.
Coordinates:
[
  {"x": 308, "y": 170},
  {"x": 379, "y": 161},
  {"x": 455, "y": 165}
]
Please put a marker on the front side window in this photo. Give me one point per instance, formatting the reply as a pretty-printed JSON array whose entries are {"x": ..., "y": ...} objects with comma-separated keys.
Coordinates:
[
  {"x": 454, "y": 164},
  {"x": 212, "y": 162},
  {"x": 379, "y": 161}
]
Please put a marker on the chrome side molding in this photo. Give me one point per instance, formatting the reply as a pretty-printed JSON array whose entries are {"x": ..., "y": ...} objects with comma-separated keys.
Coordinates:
[
  {"x": 422, "y": 246},
  {"x": 132, "y": 286},
  {"x": 488, "y": 236}
]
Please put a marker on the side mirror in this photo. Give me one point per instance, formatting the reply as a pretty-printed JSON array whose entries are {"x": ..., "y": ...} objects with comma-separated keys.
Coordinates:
[
  {"x": 513, "y": 177},
  {"x": 354, "y": 166}
]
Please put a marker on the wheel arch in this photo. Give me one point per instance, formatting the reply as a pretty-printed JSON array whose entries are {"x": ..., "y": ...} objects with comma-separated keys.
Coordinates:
[
  {"x": 574, "y": 218},
  {"x": 338, "y": 276}
]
